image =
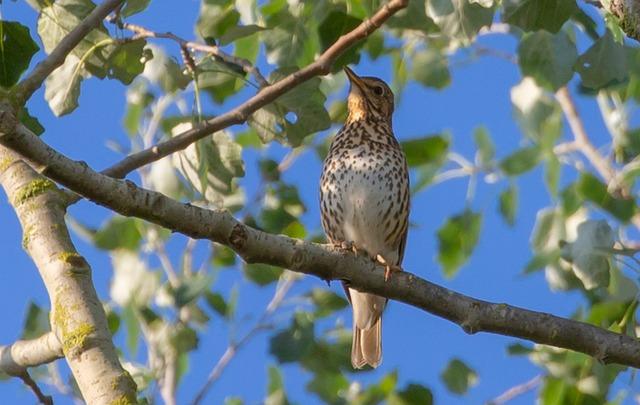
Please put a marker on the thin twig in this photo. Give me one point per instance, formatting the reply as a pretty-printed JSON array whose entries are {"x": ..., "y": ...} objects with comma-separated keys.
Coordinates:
[
  {"x": 245, "y": 65},
  {"x": 31, "y": 83},
  {"x": 281, "y": 291},
  {"x": 44, "y": 399},
  {"x": 582, "y": 141},
  {"x": 516, "y": 391},
  {"x": 240, "y": 114}
]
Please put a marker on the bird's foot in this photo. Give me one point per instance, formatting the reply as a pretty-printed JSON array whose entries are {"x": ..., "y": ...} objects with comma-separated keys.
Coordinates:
[
  {"x": 347, "y": 246},
  {"x": 388, "y": 268}
]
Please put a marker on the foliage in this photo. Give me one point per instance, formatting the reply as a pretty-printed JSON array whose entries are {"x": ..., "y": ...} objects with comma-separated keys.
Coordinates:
[{"x": 163, "y": 303}]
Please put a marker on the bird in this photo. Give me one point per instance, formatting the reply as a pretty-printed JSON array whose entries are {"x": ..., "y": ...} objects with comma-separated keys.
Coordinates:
[{"x": 364, "y": 201}]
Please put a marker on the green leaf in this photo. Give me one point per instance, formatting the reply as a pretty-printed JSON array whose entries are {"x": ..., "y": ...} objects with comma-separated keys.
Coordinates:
[
  {"x": 421, "y": 151},
  {"x": 414, "y": 17},
  {"x": 538, "y": 115},
  {"x": 335, "y": 24},
  {"x": 164, "y": 71},
  {"x": 285, "y": 40},
  {"x": 30, "y": 122},
  {"x": 592, "y": 189},
  {"x": 36, "y": 322},
  {"x": 293, "y": 343},
  {"x": 132, "y": 7},
  {"x": 212, "y": 166},
  {"x": 459, "y": 20},
  {"x": 430, "y": 67},
  {"x": 458, "y": 377},
  {"x": 509, "y": 204},
  {"x": 16, "y": 50},
  {"x": 518, "y": 349},
  {"x": 603, "y": 64},
  {"x": 223, "y": 256},
  {"x": 233, "y": 401},
  {"x": 118, "y": 233},
  {"x": 457, "y": 238},
  {"x": 570, "y": 199},
  {"x": 486, "y": 150},
  {"x": 328, "y": 386},
  {"x": 276, "y": 391},
  {"x": 548, "y": 58},
  {"x": 521, "y": 161},
  {"x": 113, "y": 321},
  {"x": 217, "y": 303},
  {"x": 587, "y": 253},
  {"x": 326, "y": 302},
  {"x": 191, "y": 288},
  {"x": 62, "y": 86},
  {"x": 184, "y": 339},
  {"x": 532, "y": 15},
  {"x": 412, "y": 394},
  {"x": 127, "y": 61},
  {"x": 237, "y": 32},
  {"x": 219, "y": 80},
  {"x": 552, "y": 173},
  {"x": 58, "y": 19},
  {"x": 262, "y": 274},
  {"x": 306, "y": 102},
  {"x": 216, "y": 17}
]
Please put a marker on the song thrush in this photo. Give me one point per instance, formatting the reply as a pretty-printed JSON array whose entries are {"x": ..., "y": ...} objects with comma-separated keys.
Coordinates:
[{"x": 364, "y": 201}]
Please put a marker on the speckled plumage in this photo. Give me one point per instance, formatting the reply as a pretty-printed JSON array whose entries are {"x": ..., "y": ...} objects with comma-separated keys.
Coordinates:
[{"x": 364, "y": 200}]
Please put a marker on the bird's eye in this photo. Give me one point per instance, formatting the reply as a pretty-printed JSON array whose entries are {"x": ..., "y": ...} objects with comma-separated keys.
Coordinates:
[{"x": 378, "y": 90}]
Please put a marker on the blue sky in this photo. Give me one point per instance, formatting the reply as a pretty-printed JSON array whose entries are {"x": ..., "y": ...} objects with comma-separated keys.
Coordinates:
[{"x": 417, "y": 344}]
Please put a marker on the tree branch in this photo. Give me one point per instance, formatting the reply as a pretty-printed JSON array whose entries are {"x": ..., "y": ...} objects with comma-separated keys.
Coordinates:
[
  {"x": 22, "y": 354},
  {"x": 323, "y": 261},
  {"x": 266, "y": 95},
  {"x": 77, "y": 318},
  {"x": 142, "y": 32},
  {"x": 628, "y": 14},
  {"x": 31, "y": 83}
]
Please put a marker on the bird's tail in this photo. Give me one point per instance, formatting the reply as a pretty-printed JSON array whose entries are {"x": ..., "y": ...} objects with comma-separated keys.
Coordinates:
[{"x": 367, "y": 329}]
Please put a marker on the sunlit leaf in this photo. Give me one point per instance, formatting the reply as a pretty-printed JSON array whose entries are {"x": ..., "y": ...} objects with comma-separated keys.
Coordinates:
[
  {"x": 486, "y": 149},
  {"x": 459, "y": 20},
  {"x": 430, "y": 68},
  {"x": 430, "y": 149},
  {"x": 132, "y": 7}
]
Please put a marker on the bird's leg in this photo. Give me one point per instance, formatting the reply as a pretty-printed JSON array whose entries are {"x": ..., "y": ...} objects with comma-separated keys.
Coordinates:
[{"x": 388, "y": 268}]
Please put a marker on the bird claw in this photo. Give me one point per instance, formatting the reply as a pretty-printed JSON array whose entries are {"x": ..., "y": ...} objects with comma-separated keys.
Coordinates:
[
  {"x": 346, "y": 246},
  {"x": 389, "y": 269}
]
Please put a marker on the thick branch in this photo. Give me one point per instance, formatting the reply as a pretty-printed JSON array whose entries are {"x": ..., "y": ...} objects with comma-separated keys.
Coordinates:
[
  {"x": 77, "y": 318},
  {"x": 22, "y": 354},
  {"x": 266, "y": 95},
  {"x": 31, "y": 83},
  {"x": 471, "y": 314}
]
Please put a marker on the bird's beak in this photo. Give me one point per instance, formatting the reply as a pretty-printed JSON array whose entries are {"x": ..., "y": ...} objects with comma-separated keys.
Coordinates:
[{"x": 354, "y": 78}]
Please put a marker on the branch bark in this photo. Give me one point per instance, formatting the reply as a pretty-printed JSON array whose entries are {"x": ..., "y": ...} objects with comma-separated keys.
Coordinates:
[
  {"x": 628, "y": 14},
  {"x": 22, "y": 354},
  {"x": 77, "y": 318},
  {"x": 323, "y": 261},
  {"x": 266, "y": 95},
  {"x": 25, "y": 89}
]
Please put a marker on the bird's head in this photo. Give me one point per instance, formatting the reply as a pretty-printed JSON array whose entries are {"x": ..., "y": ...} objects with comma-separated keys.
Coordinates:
[{"x": 369, "y": 97}]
